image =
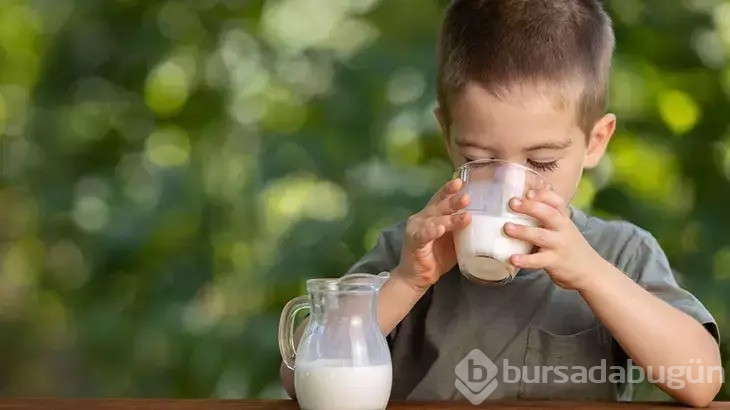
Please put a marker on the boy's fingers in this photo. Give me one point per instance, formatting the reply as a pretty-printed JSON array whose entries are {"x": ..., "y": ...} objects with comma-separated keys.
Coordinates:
[
  {"x": 452, "y": 222},
  {"x": 549, "y": 216},
  {"x": 425, "y": 231},
  {"x": 539, "y": 237},
  {"x": 449, "y": 189},
  {"x": 551, "y": 198},
  {"x": 538, "y": 260},
  {"x": 448, "y": 205}
]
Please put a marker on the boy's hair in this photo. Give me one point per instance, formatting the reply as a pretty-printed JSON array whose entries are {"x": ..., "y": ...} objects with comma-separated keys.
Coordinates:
[{"x": 499, "y": 44}]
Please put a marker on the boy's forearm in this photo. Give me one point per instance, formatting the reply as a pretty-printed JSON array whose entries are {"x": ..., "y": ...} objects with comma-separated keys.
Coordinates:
[
  {"x": 653, "y": 333},
  {"x": 395, "y": 299}
]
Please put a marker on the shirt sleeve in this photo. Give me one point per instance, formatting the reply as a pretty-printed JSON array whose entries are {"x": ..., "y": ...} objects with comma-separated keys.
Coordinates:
[
  {"x": 653, "y": 272},
  {"x": 384, "y": 256}
]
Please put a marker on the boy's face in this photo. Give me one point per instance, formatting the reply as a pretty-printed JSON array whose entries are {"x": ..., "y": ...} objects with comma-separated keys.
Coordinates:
[{"x": 529, "y": 129}]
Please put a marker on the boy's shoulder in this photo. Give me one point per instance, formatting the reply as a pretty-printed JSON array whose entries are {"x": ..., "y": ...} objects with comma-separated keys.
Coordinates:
[
  {"x": 591, "y": 225},
  {"x": 621, "y": 242}
]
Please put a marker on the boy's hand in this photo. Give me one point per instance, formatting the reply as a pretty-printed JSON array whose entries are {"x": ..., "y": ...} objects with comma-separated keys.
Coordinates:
[
  {"x": 562, "y": 250},
  {"x": 428, "y": 246}
]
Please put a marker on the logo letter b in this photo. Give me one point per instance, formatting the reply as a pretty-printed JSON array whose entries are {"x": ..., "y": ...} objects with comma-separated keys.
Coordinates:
[{"x": 473, "y": 367}]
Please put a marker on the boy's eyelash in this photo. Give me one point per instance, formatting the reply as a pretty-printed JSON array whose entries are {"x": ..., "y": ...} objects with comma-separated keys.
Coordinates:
[{"x": 542, "y": 166}]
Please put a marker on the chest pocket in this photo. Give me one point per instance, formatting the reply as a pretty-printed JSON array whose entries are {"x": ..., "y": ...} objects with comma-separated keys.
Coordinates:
[{"x": 573, "y": 366}]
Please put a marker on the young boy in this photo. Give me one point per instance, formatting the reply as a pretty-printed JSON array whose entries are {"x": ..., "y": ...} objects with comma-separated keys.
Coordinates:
[{"x": 525, "y": 81}]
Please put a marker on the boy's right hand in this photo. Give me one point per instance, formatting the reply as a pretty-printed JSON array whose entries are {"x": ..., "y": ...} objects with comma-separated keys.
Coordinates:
[{"x": 428, "y": 246}]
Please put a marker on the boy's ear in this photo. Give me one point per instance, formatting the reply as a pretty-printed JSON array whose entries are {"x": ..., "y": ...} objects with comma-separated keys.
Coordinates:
[
  {"x": 441, "y": 118},
  {"x": 598, "y": 141},
  {"x": 439, "y": 114}
]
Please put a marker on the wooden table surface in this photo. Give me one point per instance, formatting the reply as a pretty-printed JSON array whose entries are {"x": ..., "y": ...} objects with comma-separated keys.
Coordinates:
[{"x": 199, "y": 404}]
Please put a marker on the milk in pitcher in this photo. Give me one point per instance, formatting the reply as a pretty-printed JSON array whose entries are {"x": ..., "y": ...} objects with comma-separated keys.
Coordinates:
[{"x": 330, "y": 384}]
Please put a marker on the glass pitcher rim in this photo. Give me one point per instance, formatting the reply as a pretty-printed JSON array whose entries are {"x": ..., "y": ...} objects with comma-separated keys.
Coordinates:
[
  {"x": 462, "y": 167},
  {"x": 340, "y": 284}
]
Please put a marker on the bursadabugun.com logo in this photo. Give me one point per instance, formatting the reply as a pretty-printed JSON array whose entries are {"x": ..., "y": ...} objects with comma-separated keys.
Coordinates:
[{"x": 476, "y": 375}]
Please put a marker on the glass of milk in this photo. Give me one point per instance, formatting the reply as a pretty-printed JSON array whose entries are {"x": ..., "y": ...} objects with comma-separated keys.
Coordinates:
[
  {"x": 342, "y": 361},
  {"x": 482, "y": 248}
]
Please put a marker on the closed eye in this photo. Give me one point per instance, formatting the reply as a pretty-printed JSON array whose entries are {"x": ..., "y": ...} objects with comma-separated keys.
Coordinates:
[
  {"x": 544, "y": 166},
  {"x": 476, "y": 159}
]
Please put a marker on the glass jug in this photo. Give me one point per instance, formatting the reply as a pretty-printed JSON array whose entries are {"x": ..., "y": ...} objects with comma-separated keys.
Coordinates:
[{"x": 343, "y": 360}]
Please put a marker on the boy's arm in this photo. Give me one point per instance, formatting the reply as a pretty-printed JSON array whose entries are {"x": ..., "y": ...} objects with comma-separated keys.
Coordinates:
[{"x": 659, "y": 325}]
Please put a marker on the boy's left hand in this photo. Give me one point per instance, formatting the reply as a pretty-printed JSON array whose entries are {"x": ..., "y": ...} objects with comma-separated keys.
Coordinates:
[{"x": 561, "y": 249}]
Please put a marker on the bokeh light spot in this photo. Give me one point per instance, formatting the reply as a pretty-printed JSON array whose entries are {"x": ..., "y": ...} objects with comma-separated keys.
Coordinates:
[
  {"x": 91, "y": 213},
  {"x": 168, "y": 147},
  {"x": 678, "y": 111},
  {"x": 709, "y": 48},
  {"x": 17, "y": 281},
  {"x": 299, "y": 24},
  {"x": 405, "y": 85},
  {"x": 289, "y": 199},
  {"x": 285, "y": 113},
  {"x": 167, "y": 89},
  {"x": 721, "y": 17},
  {"x": 403, "y": 139},
  {"x": 650, "y": 172},
  {"x": 352, "y": 35}
]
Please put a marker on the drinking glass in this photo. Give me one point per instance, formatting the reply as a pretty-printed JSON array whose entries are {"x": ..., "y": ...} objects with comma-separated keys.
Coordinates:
[{"x": 482, "y": 248}]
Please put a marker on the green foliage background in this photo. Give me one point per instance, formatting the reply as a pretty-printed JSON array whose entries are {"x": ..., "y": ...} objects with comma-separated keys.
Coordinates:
[{"x": 172, "y": 171}]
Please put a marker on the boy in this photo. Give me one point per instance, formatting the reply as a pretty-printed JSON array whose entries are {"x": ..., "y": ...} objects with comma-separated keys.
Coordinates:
[{"x": 525, "y": 81}]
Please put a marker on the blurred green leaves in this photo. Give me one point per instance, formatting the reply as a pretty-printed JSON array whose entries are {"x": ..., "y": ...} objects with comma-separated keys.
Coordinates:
[{"x": 171, "y": 172}]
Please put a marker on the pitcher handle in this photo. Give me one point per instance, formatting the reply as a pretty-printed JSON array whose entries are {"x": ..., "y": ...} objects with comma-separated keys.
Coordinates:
[{"x": 286, "y": 329}]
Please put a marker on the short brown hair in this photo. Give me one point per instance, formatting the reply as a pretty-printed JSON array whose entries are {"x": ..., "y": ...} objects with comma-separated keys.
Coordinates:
[{"x": 502, "y": 43}]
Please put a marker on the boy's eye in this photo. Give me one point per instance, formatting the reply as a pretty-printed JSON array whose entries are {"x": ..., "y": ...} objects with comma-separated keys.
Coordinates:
[{"x": 544, "y": 166}]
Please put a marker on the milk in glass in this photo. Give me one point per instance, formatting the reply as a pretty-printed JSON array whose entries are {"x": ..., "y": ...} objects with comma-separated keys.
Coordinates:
[{"x": 483, "y": 249}]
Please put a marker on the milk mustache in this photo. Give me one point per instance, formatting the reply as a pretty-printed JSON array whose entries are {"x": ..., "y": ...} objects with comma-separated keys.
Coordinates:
[
  {"x": 483, "y": 249},
  {"x": 330, "y": 384}
]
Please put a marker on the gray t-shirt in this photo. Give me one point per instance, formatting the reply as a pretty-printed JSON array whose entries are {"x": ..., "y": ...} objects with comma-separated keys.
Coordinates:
[{"x": 529, "y": 322}]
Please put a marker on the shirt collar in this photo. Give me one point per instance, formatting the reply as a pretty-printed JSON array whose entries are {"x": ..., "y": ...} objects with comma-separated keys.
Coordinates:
[{"x": 578, "y": 217}]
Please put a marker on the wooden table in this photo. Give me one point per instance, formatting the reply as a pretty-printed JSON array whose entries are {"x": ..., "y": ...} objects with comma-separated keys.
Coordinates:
[{"x": 185, "y": 404}]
